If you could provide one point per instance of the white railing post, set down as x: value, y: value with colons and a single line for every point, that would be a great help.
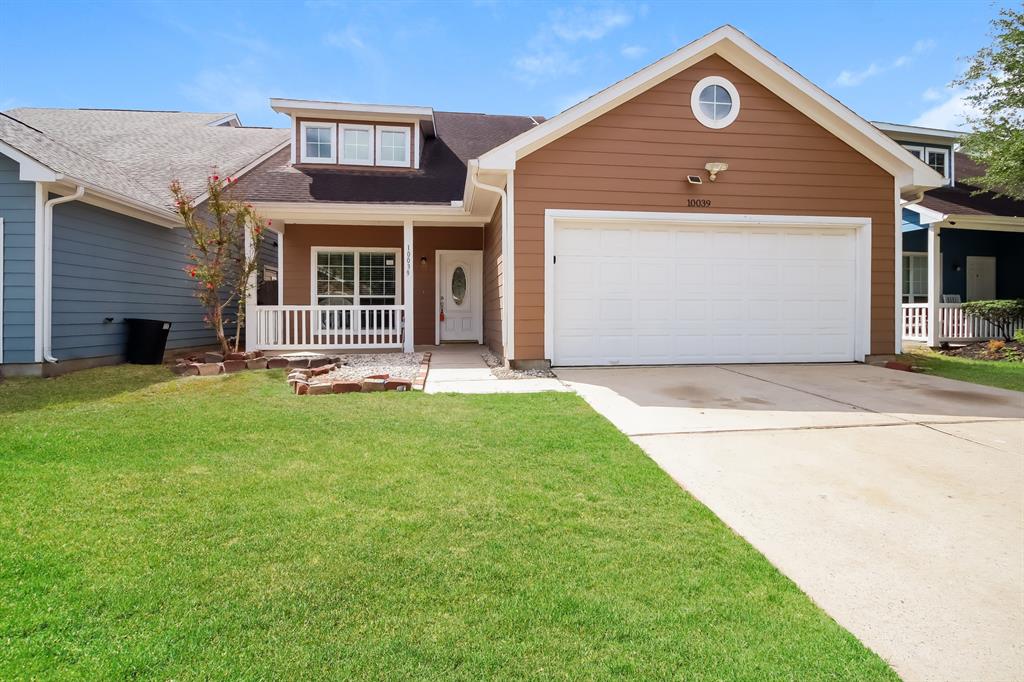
x: 934, y: 285
x: 407, y: 291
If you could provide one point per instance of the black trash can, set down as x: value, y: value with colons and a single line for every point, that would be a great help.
x: 146, y: 340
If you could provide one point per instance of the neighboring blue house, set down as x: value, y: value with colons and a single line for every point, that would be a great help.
x: 980, y: 242
x: 89, y: 235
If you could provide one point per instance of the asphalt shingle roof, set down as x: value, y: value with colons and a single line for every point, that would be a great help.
x: 136, y: 153
x: 440, y: 178
x: 959, y: 199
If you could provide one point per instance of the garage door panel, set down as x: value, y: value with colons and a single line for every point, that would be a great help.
x: 700, y: 295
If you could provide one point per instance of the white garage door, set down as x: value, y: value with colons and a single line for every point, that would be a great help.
x: 636, y: 293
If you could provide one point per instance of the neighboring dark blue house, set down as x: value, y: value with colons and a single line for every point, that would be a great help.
x: 115, y: 248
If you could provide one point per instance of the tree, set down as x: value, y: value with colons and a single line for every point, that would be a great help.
x: 995, y: 83
x: 220, y: 265
x: 1001, y: 314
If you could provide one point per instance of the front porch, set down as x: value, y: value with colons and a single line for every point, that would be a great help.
x: 951, y: 260
x: 369, y: 287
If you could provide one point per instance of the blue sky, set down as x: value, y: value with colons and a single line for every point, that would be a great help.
x: 887, y: 61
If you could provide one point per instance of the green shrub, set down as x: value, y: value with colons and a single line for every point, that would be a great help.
x: 1001, y: 314
x: 1018, y: 336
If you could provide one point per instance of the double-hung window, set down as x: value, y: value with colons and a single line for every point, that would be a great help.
x: 349, y: 277
x: 318, y: 142
x: 356, y: 144
x: 393, y: 146
x: 915, y: 278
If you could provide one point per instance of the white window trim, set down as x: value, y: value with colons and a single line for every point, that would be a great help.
x: 922, y: 151
x: 302, y: 141
x: 397, y: 251
x: 912, y: 294
x: 695, y: 102
x: 408, y: 152
x: 946, y: 153
x: 916, y: 149
x: 341, y: 144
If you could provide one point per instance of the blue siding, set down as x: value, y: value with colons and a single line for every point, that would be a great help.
x: 956, y: 245
x: 17, y: 206
x: 106, y: 265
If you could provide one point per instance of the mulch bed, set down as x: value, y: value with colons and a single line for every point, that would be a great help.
x: 997, y: 350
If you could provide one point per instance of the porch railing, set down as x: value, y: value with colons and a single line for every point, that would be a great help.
x: 293, y: 327
x: 954, y: 324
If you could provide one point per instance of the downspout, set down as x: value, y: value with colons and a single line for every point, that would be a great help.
x: 47, y: 316
x: 474, y: 169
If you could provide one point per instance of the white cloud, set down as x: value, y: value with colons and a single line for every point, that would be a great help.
x: 549, y: 52
x: 348, y: 38
x: 235, y: 88
x: 579, y: 23
x: 932, y: 95
x: 633, y: 51
x: 546, y: 64
x: 850, y: 77
x: 949, y: 114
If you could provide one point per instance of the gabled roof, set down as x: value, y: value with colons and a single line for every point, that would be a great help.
x: 134, y: 155
x: 911, y: 174
x: 440, y: 179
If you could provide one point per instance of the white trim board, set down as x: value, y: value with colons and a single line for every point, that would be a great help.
x: 764, y: 67
x: 862, y: 283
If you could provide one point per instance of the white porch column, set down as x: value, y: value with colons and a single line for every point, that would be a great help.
x: 250, y: 298
x: 934, y: 284
x: 407, y: 287
x: 280, y: 263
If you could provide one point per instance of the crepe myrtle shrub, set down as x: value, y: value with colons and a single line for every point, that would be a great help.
x: 1000, y: 314
x: 219, y: 263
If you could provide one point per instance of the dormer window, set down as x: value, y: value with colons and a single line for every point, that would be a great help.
x: 318, y: 140
x: 356, y: 144
x: 936, y: 157
x: 392, y: 146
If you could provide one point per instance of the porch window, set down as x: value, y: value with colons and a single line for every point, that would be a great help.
x: 915, y: 278
x: 357, y: 277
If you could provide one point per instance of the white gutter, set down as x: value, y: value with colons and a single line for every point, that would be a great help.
x: 507, y: 248
x: 47, y: 262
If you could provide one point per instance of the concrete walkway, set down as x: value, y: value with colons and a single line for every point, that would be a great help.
x: 460, y: 368
x: 895, y: 500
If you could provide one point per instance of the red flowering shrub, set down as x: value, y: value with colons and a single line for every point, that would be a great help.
x: 220, y: 264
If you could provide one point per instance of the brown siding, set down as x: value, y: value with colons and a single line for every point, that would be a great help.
x: 425, y: 241
x: 636, y: 157
x: 299, y: 240
x: 492, y: 283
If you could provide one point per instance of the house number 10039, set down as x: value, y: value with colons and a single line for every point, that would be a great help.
x: 698, y: 203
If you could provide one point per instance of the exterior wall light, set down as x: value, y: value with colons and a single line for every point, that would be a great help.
x: 714, y: 168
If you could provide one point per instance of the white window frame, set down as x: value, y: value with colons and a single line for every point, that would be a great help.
x: 921, y: 151
x: 314, y: 251
x: 302, y: 141
x: 911, y: 296
x: 407, y: 131
x: 341, y: 144
x: 701, y: 117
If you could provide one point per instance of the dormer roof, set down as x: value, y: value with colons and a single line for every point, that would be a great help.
x: 311, y: 108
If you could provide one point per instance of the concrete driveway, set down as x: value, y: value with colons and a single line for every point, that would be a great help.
x: 895, y: 500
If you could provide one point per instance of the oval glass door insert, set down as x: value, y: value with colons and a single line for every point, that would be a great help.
x: 459, y: 285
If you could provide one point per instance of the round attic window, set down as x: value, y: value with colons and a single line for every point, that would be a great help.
x: 715, y: 102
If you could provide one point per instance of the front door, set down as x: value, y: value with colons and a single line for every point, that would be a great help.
x: 981, y: 278
x: 460, y: 296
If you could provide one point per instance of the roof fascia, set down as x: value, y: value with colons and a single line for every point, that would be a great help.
x: 29, y: 169
x: 382, y: 214
x: 993, y: 223
x: 928, y: 215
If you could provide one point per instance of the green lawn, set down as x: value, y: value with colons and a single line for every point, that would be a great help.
x: 999, y: 374
x: 224, y: 528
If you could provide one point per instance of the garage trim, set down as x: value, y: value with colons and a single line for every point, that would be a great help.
x: 862, y: 275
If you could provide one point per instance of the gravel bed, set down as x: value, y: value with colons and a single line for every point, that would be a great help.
x: 499, y: 370
x: 362, y: 365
